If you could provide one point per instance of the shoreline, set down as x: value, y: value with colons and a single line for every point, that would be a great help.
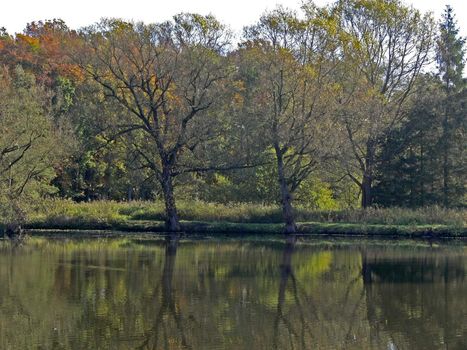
x: 246, y: 229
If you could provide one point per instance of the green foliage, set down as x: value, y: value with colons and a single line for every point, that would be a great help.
x: 30, y: 143
x: 316, y: 194
x: 422, y: 161
x: 450, y: 53
x: 64, y: 95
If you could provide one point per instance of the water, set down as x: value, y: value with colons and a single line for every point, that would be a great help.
x: 149, y: 294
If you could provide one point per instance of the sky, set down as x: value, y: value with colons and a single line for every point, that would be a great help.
x: 14, y: 14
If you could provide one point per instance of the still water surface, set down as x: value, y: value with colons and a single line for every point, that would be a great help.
x: 147, y: 293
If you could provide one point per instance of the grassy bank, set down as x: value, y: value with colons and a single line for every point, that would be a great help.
x: 214, y: 228
x: 241, y: 218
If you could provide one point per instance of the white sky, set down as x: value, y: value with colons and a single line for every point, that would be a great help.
x: 14, y: 14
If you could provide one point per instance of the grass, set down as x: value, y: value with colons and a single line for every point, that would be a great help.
x: 110, y: 211
x: 246, y: 218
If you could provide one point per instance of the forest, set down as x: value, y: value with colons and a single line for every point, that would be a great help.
x: 358, y: 104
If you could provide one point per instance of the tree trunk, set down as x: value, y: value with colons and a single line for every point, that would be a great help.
x: 367, y: 199
x: 172, y: 223
x: 446, y: 140
x: 14, y: 231
x: 446, y: 144
x: 286, y: 272
x: 422, y: 177
x: 286, y: 196
x: 366, y: 191
x: 13, y: 228
x: 445, y: 176
x: 366, y: 270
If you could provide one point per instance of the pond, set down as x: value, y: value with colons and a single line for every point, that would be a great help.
x: 153, y: 293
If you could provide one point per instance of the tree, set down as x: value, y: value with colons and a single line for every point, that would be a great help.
x: 286, y: 65
x: 99, y: 167
x: 168, y: 77
x: 29, y: 144
x: 408, y: 167
x: 450, y: 58
x: 385, y: 45
x: 422, y: 160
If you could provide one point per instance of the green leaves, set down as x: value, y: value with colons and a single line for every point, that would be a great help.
x: 29, y: 142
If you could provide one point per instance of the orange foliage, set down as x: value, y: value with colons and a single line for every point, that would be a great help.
x: 41, y: 50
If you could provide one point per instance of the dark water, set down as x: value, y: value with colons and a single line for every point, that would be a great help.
x: 149, y: 294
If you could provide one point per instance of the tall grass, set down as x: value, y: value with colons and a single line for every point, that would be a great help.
x: 65, y: 211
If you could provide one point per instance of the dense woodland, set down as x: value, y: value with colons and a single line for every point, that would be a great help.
x: 359, y: 103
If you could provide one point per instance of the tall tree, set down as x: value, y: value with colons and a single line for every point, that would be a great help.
x: 385, y: 45
x: 168, y: 77
x: 422, y: 161
x: 450, y: 58
x: 409, y: 171
x: 287, y: 64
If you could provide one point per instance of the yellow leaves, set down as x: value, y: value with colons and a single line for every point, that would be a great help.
x: 356, y: 44
x: 345, y: 38
x: 384, y: 11
x: 238, y: 89
x: 100, y: 139
x: 237, y: 99
x: 202, y: 22
x: 120, y: 165
x: 310, y: 72
x: 272, y: 22
x: 119, y: 26
x: 221, y: 180
x: 192, y: 25
x: 74, y: 72
x: 153, y: 80
x: 172, y: 97
x: 335, y: 88
x: 239, y: 85
x: 34, y: 43
x: 326, y: 22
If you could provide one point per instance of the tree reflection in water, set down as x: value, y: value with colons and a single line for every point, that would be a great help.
x: 310, y: 322
x: 159, y: 336
x: 286, y: 275
x: 147, y: 293
x: 422, y: 293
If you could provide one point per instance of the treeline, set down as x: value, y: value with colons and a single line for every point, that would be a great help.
x: 359, y: 103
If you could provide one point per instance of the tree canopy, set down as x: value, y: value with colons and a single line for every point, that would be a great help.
x: 328, y: 107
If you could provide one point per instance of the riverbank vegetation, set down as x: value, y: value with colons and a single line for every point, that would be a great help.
x: 246, y: 218
x: 109, y: 211
x: 307, y: 117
